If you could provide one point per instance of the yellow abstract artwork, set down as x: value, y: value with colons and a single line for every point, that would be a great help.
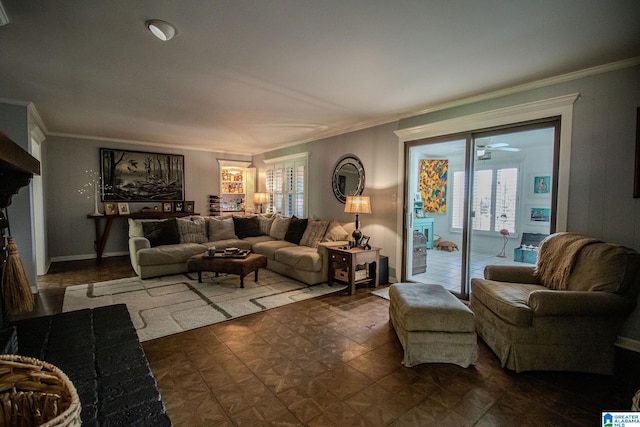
x: 433, y: 185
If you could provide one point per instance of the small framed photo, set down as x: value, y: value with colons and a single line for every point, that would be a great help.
x: 178, y: 207
x: 123, y: 208
x: 110, y: 208
x: 167, y: 207
x: 364, y: 242
x: 541, y: 185
x: 539, y: 215
x: 189, y: 206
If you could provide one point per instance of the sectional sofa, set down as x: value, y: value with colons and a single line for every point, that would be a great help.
x: 294, y: 247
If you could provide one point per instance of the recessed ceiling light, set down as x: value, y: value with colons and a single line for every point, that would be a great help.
x: 161, y: 29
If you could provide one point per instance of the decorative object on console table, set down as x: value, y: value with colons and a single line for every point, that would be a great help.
x: 167, y: 207
x: 92, y: 189
x: 357, y: 205
x: 123, y: 208
x: 189, y: 206
x: 110, y: 208
x: 178, y: 207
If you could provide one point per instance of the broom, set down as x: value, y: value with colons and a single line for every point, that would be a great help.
x: 15, y: 284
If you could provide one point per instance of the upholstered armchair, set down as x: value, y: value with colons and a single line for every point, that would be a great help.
x: 565, y: 313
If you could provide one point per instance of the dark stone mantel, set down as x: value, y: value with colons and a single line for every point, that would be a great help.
x: 17, y: 167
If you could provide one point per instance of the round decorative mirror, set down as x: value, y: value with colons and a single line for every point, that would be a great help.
x: 348, y: 178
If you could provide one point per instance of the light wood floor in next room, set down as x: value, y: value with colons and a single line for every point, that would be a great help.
x: 335, y: 361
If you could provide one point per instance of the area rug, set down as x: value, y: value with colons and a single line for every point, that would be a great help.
x: 172, y: 304
x: 381, y: 292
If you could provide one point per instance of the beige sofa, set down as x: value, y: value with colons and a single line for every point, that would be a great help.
x: 305, y: 261
x: 565, y: 314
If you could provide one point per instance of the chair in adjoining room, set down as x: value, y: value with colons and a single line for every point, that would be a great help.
x: 563, y: 314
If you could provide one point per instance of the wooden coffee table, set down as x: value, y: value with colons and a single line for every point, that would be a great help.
x: 220, y: 264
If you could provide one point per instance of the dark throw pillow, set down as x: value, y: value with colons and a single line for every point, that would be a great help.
x: 246, y: 226
x: 296, y: 229
x: 161, y: 232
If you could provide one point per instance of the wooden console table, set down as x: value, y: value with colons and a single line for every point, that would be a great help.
x: 102, y: 233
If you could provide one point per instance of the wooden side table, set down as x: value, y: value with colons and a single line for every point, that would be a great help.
x: 346, y: 266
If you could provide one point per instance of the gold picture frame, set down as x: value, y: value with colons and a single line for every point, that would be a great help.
x: 110, y: 208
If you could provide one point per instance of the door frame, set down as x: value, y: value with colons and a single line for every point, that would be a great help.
x: 560, y: 107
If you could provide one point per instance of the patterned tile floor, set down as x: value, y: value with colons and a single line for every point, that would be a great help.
x: 335, y: 361
x: 444, y: 267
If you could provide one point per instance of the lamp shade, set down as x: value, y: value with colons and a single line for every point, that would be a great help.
x: 357, y: 205
x: 259, y: 198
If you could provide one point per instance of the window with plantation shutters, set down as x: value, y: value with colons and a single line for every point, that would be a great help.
x: 286, y: 182
x: 494, y: 201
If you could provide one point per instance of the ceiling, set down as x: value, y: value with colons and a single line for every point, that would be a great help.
x: 249, y: 76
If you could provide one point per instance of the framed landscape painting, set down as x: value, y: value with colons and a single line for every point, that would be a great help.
x: 138, y: 176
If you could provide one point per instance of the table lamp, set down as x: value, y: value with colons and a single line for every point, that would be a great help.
x: 357, y: 205
x: 260, y: 199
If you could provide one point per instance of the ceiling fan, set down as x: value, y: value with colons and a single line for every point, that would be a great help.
x: 483, y: 151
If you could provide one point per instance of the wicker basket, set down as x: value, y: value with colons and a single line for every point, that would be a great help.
x: 36, y: 393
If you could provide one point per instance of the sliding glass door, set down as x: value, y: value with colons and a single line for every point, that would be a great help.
x: 476, y: 199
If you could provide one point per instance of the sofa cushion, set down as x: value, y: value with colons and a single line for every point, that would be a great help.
x: 604, y: 267
x: 265, y: 221
x: 221, y: 228
x: 257, y: 239
x: 296, y: 229
x: 300, y: 258
x: 246, y: 226
x: 169, y: 254
x: 508, y: 301
x: 135, y: 226
x: 161, y: 232
x: 279, y: 227
x: 335, y: 232
x: 192, y: 229
x: 269, y: 249
x: 314, y: 233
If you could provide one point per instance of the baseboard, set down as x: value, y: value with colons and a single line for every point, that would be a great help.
x: 86, y: 256
x: 628, y: 344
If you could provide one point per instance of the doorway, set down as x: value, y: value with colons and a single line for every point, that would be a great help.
x: 479, y: 198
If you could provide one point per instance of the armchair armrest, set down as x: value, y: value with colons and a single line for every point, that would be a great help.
x: 578, y: 303
x: 511, y: 274
x: 137, y: 243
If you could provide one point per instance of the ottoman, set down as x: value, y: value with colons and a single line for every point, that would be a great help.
x: 433, y: 325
